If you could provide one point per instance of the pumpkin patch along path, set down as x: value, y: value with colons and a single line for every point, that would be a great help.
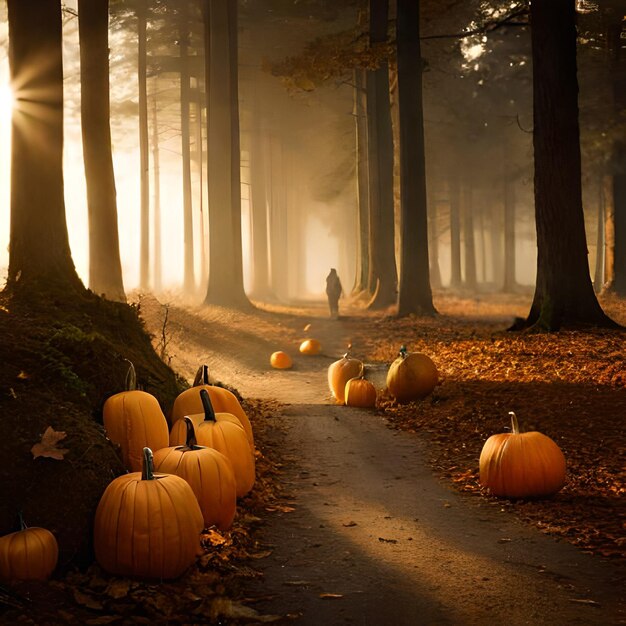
x: 382, y: 519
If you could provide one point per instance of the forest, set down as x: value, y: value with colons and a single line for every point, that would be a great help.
x: 312, y: 311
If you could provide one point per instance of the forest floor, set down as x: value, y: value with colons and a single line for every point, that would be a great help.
x: 375, y: 516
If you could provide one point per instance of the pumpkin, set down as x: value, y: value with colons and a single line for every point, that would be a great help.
x: 209, y: 474
x: 411, y: 376
x: 340, y: 372
x: 147, y: 525
x: 360, y: 392
x: 281, y: 360
x: 230, y: 439
x: 521, y: 465
x: 133, y: 419
x: 28, y: 554
x: 310, y: 346
x: 188, y: 402
x: 178, y: 434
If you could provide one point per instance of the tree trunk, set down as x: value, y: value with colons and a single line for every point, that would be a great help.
x: 414, y: 294
x: 156, y: 197
x: 383, y: 278
x: 144, y: 246
x: 433, y: 242
x: 360, y: 113
x: 468, y: 238
x: 204, y: 274
x: 105, y: 267
x: 510, y: 281
x: 564, y: 294
x: 39, y: 247
x: 455, y: 232
x: 617, y: 62
x: 609, y: 230
x: 598, y: 281
x: 189, y: 282
x: 225, y: 286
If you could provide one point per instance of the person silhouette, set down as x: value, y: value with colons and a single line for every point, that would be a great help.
x: 333, y: 292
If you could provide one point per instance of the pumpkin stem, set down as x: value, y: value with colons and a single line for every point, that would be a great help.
x: 190, y: 439
x: 20, y: 516
x: 209, y: 411
x: 362, y: 372
x: 202, y: 376
x: 131, y: 377
x: 147, y: 470
x: 403, y: 352
x: 514, y: 423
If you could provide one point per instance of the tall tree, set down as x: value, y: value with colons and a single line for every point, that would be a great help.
x: 564, y: 294
x: 383, y: 276
x: 185, y: 134
x: 141, y: 12
x: 39, y: 245
x: 225, y: 286
x: 414, y: 294
x: 105, y: 267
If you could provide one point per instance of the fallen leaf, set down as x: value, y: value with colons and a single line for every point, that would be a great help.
x: 349, y: 524
x: 261, y: 555
x: 87, y: 600
x: 47, y: 447
x: 118, y: 588
x: 225, y: 607
x: 214, y: 538
x: 331, y: 596
x: 584, y: 601
x: 382, y: 539
x: 23, y: 375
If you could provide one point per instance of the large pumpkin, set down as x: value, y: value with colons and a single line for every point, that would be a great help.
x: 134, y: 420
x: 411, y: 376
x: 229, y: 438
x: 521, y: 465
x: 340, y: 372
x: 28, y: 554
x: 360, y: 393
x: 223, y: 400
x: 147, y: 525
x: 310, y: 346
x: 208, y: 472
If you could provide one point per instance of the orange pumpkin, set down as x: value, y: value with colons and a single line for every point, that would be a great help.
x: 360, y: 393
x: 223, y: 400
x: 521, y: 465
x: 281, y: 360
x: 134, y: 420
x: 28, y: 554
x: 411, y: 376
x: 147, y: 525
x: 340, y: 372
x: 208, y: 472
x: 310, y: 346
x: 230, y: 439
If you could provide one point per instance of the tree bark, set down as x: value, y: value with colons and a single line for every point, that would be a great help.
x: 433, y: 242
x: 383, y: 278
x: 469, y: 247
x: 144, y: 183
x: 414, y: 294
x: 598, y: 280
x: 105, y: 267
x: 455, y: 232
x: 225, y: 287
x: 157, y: 265
x: 510, y: 281
x: 564, y: 294
x: 40, y: 254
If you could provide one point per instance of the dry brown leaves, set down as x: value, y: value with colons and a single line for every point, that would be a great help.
x: 202, y: 595
x: 568, y: 385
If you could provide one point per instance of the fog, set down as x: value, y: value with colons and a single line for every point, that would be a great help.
x: 478, y: 114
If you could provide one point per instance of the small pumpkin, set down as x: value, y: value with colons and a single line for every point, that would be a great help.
x: 229, y: 438
x: 411, y: 376
x: 360, y: 392
x: 340, y: 372
x: 521, y: 465
x: 31, y: 553
x: 188, y: 402
x: 310, y: 346
x: 281, y: 360
x: 147, y: 525
x: 133, y: 419
x: 209, y: 474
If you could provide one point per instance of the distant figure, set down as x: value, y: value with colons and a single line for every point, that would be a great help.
x: 333, y: 291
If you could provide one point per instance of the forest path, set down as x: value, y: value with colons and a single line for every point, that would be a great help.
x: 374, y: 537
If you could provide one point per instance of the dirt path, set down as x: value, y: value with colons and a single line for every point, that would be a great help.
x: 374, y: 537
